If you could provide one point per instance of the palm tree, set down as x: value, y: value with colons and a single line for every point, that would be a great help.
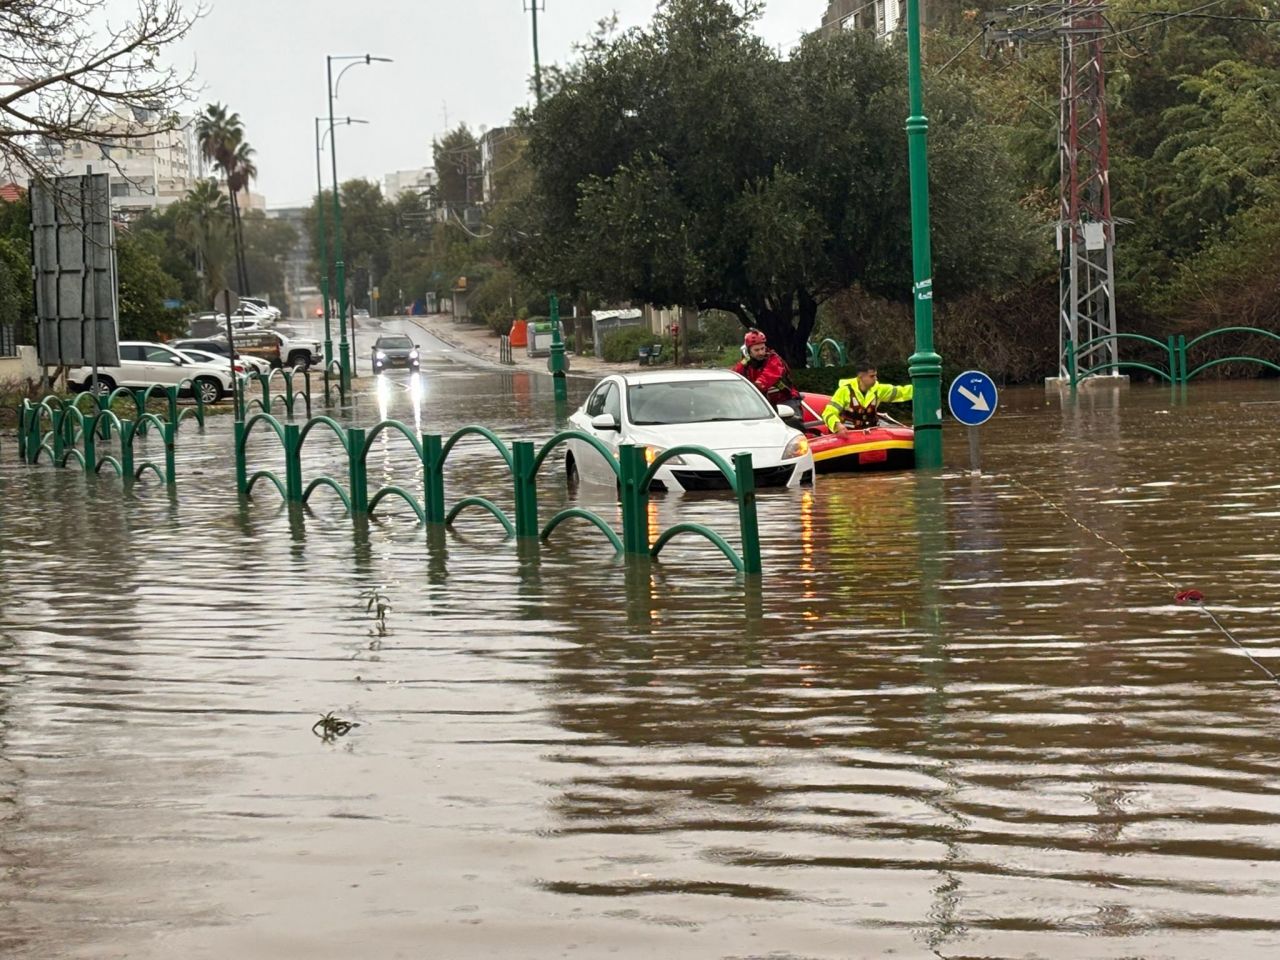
x: 243, y: 170
x: 221, y: 138
x: 202, y: 220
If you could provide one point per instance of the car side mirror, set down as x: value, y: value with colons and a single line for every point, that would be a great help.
x: 176, y: 361
x: 784, y: 411
x: 604, y: 421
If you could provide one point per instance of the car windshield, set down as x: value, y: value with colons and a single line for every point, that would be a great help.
x: 695, y: 401
x: 395, y: 343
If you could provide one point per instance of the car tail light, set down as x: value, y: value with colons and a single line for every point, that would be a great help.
x: 239, y: 368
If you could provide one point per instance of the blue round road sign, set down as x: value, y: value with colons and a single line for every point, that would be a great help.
x: 973, y: 398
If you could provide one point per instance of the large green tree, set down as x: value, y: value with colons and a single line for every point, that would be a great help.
x: 687, y: 164
x: 456, y: 157
x: 143, y: 286
x: 368, y: 232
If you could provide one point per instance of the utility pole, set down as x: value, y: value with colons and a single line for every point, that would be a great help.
x: 532, y: 8
x: 1086, y: 227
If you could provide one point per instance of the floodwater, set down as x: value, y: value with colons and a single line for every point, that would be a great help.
x: 962, y: 717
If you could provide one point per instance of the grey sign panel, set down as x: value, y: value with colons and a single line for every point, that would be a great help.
x: 73, y: 253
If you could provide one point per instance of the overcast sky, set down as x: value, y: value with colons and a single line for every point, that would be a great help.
x: 470, y: 58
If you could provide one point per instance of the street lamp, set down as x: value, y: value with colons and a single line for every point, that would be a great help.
x: 344, y: 349
x: 925, y: 364
x: 324, y: 250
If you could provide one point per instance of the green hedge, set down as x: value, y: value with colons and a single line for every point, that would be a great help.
x: 826, y: 379
x: 624, y: 346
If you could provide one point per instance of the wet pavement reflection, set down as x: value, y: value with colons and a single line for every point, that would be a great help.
x: 964, y: 716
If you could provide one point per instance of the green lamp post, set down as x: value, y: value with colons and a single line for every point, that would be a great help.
x: 925, y: 364
x: 324, y: 249
x: 340, y: 271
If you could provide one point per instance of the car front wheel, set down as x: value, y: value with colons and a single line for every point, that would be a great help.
x: 102, y: 387
x: 208, y: 390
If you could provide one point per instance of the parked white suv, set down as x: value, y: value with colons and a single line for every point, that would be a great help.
x: 260, y: 304
x: 142, y: 364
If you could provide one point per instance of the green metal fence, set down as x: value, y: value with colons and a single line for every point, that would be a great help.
x: 334, y: 382
x: 1184, y: 346
x: 523, y: 460
x: 289, y: 398
x: 83, y: 430
x: 818, y: 353
x: 1173, y: 367
x: 73, y: 434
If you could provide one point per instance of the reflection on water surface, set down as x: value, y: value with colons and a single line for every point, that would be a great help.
x: 964, y: 718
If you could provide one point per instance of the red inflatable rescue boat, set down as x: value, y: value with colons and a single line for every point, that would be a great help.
x: 887, y: 446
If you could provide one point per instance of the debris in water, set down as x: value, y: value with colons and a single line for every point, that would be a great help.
x: 329, y: 727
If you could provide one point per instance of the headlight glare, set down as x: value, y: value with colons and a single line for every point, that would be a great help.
x: 797, y: 447
x: 652, y: 453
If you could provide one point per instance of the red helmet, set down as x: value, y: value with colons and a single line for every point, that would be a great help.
x: 753, y: 338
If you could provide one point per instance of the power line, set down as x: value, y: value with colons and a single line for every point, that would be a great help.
x: 980, y: 35
x: 1166, y: 19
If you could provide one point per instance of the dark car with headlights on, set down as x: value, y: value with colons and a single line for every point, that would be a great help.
x: 394, y: 350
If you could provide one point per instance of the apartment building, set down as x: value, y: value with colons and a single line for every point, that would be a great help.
x: 149, y: 164
x: 416, y: 180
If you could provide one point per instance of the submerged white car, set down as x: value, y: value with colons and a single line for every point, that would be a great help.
x: 716, y: 409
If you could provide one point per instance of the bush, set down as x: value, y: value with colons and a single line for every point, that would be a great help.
x: 497, y: 299
x: 715, y: 330
x: 624, y: 346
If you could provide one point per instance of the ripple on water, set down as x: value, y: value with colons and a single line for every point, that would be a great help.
x: 963, y: 718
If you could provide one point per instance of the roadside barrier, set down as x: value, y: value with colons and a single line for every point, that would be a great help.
x: 289, y: 397
x: 1173, y: 351
x: 817, y: 353
x: 523, y: 459
x: 74, y: 434
x: 504, y: 350
x: 333, y: 379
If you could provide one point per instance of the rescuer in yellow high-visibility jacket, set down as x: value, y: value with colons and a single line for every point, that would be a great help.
x: 855, y: 403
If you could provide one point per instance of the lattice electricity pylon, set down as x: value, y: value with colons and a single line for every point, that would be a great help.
x: 1085, y: 229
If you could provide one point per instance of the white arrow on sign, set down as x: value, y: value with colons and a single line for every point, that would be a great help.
x: 978, y: 400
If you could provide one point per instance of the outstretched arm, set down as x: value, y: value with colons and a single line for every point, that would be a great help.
x: 888, y: 393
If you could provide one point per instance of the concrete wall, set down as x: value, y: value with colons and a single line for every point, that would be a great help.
x: 22, y: 367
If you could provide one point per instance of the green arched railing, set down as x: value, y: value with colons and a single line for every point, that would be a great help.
x: 742, y: 480
x: 1175, y: 350
x: 75, y: 435
x: 815, y: 351
x: 289, y: 397
x: 524, y: 462
x: 1072, y: 354
x: 1185, y: 345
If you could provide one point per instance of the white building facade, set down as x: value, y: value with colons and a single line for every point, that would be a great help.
x: 417, y: 180
x: 150, y: 166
